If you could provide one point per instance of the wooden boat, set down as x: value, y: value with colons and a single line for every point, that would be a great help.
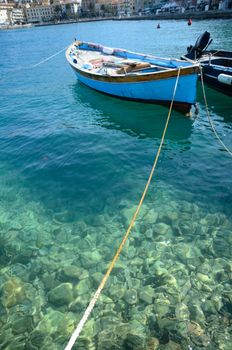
x: 134, y: 76
x: 216, y: 64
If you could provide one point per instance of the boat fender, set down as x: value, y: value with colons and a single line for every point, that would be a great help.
x: 108, y: 50
x: 74, y: 60
x: 87, y: 65
x: 225, y: 79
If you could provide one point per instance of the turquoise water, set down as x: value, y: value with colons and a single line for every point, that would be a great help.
x: 73, y: 165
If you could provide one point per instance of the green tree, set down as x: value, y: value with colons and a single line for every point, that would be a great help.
x: 92, y: 8
x: 57, y: 12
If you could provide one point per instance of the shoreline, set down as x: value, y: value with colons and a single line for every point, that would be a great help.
x: 197, y: 15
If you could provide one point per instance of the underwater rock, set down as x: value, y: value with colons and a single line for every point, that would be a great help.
x: 161, y: 228
x: 88, y: 242
x: 151, y: 217
x: 108, y: 340
x: 17, y: 270
x: 97, y: 277
x: 127, y: 214
x: 217, y: 301
x: 22, y: 325
x: 135, y: 341
x: 25, y: 255
x: 83, y: 288
x: 131, y: 296
x: 120, y: 266
x: 107, y: 315
x: 159, y: 269
x: 135, y: 282
x: 49, y: 281
x: 208, y: 307
x: 90, y: 259
x: 13, y: 292
x: 188, y: 254
x: 152, y: 344
x: 171, y: 282
x: 147, y: 294
x: 136, y: 336
x: 54, y: 323
x: 169, y: 215
x: 104, y: 299
x: 89, y: 331
x: 196, y: 313
x: 5, y: 335
x: 149, y: 233
x: 48, y: 343
x: 137, y: 261
x: 130, y: 252
x: 149, y: 313
x: 84, y: 275
x: 161, y: 305
x: 204, y: 278
x: 37, y: 339
x: 137, y: 314
x: 100, y: 220
x: 77, y: 305
x: 61, y: 295
x: 182, y: 328
x: 195, y: 329
x: 18, y: 342
x: 13, y: 248
x: 202, y: 341
x: 64, y: 217
x: 171, y: 345
x: 70, y: 272
x: 221, y: 247
x: 205, y: 268
x: 117, y: 291
x: 4, y: 216
x: 166, y: 324
x: 182, y: 312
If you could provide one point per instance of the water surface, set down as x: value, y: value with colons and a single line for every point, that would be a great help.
x: 73, y: 165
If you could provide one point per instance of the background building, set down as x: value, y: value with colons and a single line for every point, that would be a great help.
x: 36, y: 14
x: 5, y: 13
x: 18, y: 16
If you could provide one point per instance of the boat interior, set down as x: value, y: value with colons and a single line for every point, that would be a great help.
x: 108, y: 61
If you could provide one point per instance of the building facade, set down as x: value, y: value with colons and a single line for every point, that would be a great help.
x: 5, y: 13
x: 36, y: 14
x: 18, y: 16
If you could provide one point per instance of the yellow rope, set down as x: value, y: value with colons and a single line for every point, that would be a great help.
x: 209, y: 118
x: 111, y: 266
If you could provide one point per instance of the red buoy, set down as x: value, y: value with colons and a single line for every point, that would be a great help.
x: 189, y: 22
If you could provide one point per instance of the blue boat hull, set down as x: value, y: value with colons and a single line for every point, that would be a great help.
x: 153, y: 84
x: 158, y: 91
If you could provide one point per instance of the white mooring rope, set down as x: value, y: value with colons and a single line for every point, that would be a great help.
x: 37, y: 64
x: 48, y: 58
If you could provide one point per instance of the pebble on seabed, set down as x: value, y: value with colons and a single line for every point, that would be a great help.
x: 163, y: 283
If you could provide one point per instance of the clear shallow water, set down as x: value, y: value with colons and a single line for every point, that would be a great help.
x: 73, y: 164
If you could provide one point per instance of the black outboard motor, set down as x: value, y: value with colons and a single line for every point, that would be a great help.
x: 196, y: 51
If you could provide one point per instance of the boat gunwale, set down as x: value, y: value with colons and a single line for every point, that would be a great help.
x: 121, y: 50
